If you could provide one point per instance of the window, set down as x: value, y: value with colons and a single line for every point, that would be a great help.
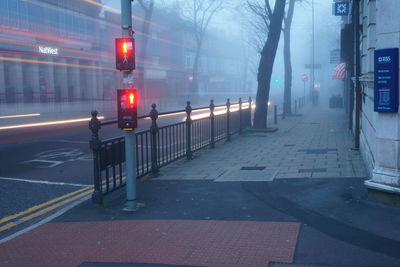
x: 189, y: 58
x: 155, y: 48
x: 4, y: 8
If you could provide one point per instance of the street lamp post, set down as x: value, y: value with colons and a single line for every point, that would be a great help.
x: 313, y: 48
x: 304, y: 78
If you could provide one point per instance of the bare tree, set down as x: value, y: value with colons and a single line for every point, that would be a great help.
x: 147, y: 6
x: 199, y: 13
x: 270, y: 22
x: 287, y: 93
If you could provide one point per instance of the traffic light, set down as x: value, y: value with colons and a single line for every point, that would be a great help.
x: 127, y: 109
x: 125, y: 54
x: 276, y: 80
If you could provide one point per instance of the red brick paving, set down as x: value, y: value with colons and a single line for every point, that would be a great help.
x: 199, y: 243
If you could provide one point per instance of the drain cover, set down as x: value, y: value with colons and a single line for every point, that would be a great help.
x: 312, y: 170
x: 253, y: 168
x: 317, y: 151
x: 279, y: 264
x: 289, y: 145
x: 250, y: 175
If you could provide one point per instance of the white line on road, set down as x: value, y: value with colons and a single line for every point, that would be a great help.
x: 67, y: 141
x: 41, y: 182
x: 52, y: 163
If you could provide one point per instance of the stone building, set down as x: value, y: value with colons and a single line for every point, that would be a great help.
x: 379, y: 134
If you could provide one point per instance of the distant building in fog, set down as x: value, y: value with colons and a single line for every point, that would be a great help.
x: 50, y: 51
x: 63, y: 51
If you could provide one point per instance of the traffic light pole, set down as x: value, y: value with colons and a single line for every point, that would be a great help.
x: 130, y: 138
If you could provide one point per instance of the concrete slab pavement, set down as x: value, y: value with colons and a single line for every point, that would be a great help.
x: 315, y: 145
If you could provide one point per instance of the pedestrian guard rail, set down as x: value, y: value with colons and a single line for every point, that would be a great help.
x: 160, y: 146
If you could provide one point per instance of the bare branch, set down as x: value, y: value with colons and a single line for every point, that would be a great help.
x: 268, y: 6
x: 147, y: 7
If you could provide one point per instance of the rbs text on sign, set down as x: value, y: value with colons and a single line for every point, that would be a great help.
x: 386, y: 98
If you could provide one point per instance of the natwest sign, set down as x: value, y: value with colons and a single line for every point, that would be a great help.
x: 47, y: 50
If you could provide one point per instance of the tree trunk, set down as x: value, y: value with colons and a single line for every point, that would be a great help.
x: 194, y: 84
x: 287, y: 94
x: 266, y: 64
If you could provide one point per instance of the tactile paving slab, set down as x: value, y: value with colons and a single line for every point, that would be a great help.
x: 174, y: 242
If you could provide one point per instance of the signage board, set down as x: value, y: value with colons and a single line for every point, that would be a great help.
x: 46, y: 50
x: 311, y: 66
x: 335, y: 56
x: 342, y: 8
x: 386, y: 80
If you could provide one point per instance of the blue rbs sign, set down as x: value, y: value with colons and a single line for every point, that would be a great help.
x: 386, y: 83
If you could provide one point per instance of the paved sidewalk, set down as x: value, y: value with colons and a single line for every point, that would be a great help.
x: 313, y: 146
x: 290, y: 198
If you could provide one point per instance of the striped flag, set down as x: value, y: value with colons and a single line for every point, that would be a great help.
x: 339, y: 71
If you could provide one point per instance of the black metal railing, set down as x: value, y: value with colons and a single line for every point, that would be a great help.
x: 159, y: 146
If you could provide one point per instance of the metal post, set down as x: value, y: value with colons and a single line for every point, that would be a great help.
x: 313, y: 47
x: 295, y: 106
x: 228, y: 114
x: 130, y: 137
x: 154, y: 132
x: 212, y: 124
x: 356, y: 20
x: 275, y: 114
x: 250, y: 111
x: 188, y: 131
x: 283, y: 113
x: 95, y: 145
x: 240, y: 115
x: 130, y: 156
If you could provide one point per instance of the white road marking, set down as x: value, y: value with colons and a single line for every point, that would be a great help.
x: 67, y: 141
x: 59, y: 153
x: 41, y: 182
x: 52, y: 163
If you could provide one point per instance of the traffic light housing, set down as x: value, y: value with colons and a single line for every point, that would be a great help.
x: 125, y: 54
x: 127, y: 109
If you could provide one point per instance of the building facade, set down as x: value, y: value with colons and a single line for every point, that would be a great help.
x: 379, y: 132
x: 49, y: 52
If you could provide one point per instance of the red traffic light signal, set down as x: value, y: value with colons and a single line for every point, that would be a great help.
x: 125, y: 54
x: 127, y: 109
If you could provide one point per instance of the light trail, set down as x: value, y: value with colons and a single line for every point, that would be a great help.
x: 54, y: 63
x: 20, y: 116
x: 103, y: 6
x: 13, y: 30
x: 37, y: 54
x: 217, y: 111
x: 47, y: 123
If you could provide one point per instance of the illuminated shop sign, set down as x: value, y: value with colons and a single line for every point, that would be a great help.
x: 47, y: 50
